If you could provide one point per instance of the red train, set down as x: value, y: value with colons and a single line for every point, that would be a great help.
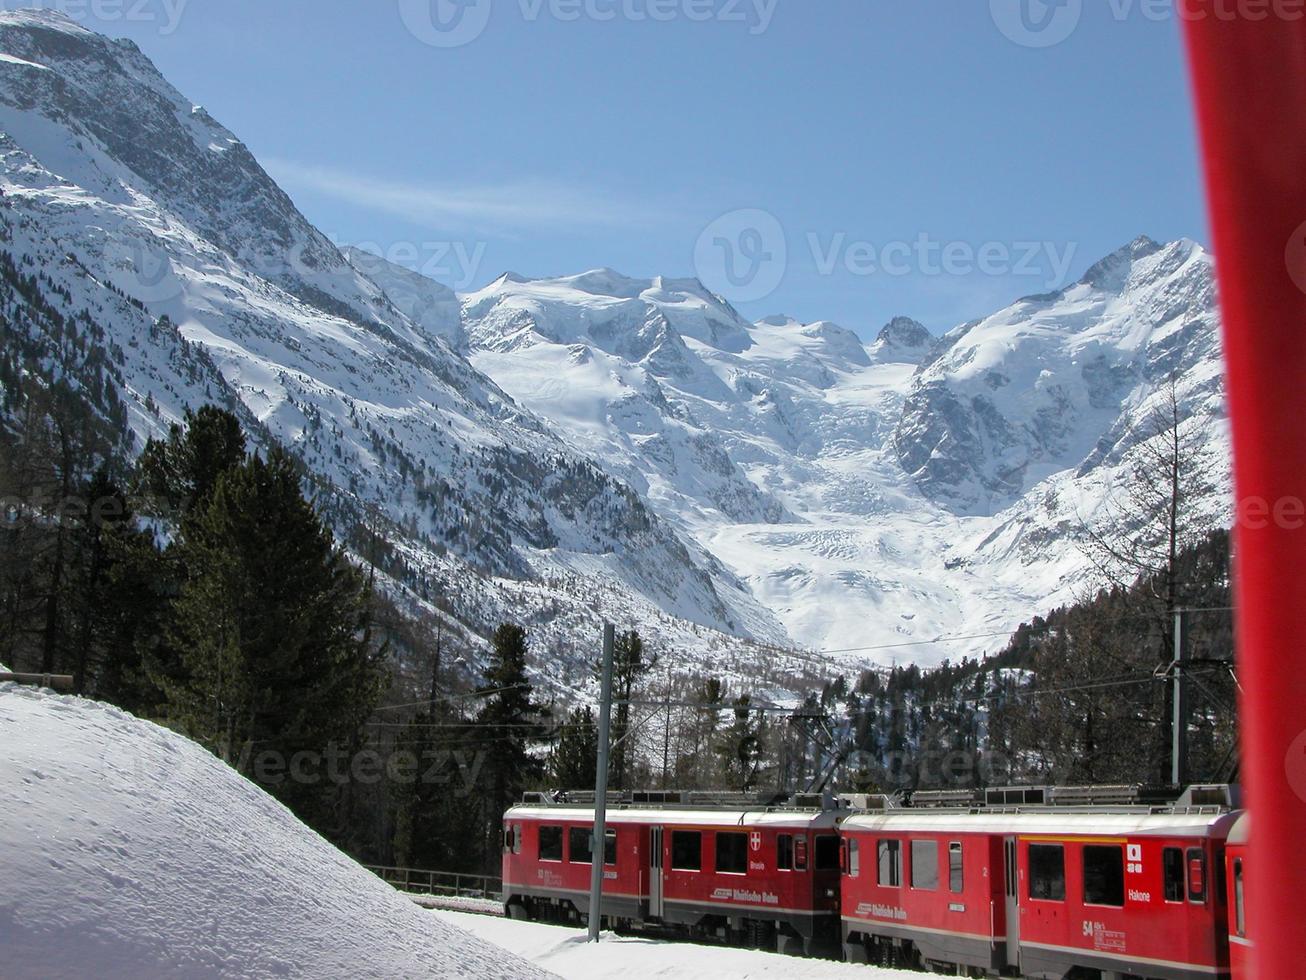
x: 1052, y: 883
x: 757, y: 876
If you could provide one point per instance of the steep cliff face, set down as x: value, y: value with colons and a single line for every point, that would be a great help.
x: 1056, y: 382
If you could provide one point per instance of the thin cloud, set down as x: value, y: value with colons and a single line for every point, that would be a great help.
x: 503, y: 207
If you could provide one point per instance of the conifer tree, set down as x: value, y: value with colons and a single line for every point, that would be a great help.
x: 183, y: 470
x: 509, y: 725
x: 739, y: 747
x: 575, y: 755
x: 272, y: 622
x: 629, y: 664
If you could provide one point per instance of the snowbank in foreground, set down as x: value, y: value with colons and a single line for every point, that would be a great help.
x: 565, y: 952
x: 128, y: 851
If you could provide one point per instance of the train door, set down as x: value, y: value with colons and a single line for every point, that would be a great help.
x: 1011, y: 872
x: 655, y: 857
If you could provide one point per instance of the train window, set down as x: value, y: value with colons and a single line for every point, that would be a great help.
x: 508, y: 836
x: 925, y: 865
x: 1104, y: 876
x: 1196, y: 876
x: 580, y: 850
x: 550, y: 843
x: 827, y: 853
x: 732, y: 853
x: 956, y: 869
x: 1239, y: 906
x: 1172, y: 870
x: 800, y: 853
x: 889, y: 863
x: 686, y: 850
x: 854, y: 858
x: 784, y: 852
x: 1047, y: 872
x: 578, y: 845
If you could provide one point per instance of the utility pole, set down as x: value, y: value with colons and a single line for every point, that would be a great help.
x: 666, y: 733
x: 1179, y: 726
x: 601, y: 788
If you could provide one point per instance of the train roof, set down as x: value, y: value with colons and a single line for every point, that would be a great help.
x: 1204, y: 822
x: 686, y: 817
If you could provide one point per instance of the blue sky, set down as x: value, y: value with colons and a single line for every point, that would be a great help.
x: 851, y: 145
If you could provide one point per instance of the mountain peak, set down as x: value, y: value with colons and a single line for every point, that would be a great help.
x: 1111, y: 272
x: 905, y: 330
x: 903, y: 335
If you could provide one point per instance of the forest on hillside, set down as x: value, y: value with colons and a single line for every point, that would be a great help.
x: 196, y: 584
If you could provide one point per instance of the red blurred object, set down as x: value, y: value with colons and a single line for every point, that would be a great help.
x: 1249, y: 68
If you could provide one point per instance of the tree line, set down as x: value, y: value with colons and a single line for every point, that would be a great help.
x: 198, y: 586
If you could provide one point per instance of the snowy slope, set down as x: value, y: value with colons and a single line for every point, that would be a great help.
x: 568, y: 954
x: 129, y: 851
x: 891, y: 492
x: 199, y: 280
x: 1057, y: 380
x: 559, y: 451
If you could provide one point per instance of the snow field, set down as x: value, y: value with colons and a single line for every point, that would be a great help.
x: 568, y: 954
x: 129, y: 851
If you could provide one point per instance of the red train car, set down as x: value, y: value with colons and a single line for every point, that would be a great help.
x: 1236, y: 858
x: 759, y: 876
x: 1129, y: 891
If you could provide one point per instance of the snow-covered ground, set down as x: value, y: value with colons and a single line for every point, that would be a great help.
x: 129, y: 851
x: 567, y: 953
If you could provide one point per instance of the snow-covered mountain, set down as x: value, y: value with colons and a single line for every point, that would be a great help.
x: 1056, y: 380
x: 875, y: 494
x: 188, y: 269
x: 557, y: 451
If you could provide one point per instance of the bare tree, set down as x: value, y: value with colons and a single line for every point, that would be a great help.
x: 1135, y: 544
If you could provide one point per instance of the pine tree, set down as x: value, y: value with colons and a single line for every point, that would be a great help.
x: 433, y: 815
x: 739, y: 748
x: 182, y: 471
x: 574, y: 759
x: 130, y: 626
x: 272, y: 623
x: 509, y: 724
x: 629, y: 664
